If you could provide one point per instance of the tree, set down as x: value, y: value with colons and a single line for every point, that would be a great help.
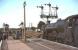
x: 33, y: 28
x: 40, y: 24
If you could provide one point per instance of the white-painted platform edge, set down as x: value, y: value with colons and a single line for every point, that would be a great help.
x: 0, y: 43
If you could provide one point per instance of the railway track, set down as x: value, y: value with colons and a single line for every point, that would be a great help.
x: 41, y: 44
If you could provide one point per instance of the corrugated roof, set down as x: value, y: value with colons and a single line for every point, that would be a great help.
x: 72, y: 16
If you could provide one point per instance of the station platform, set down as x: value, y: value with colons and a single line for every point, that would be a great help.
x: 11, y: 44
x: 35, y: 44
x: 17, y: 45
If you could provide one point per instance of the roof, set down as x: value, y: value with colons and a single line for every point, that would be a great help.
x: 72, y: 16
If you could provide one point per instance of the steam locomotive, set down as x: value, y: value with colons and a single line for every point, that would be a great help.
x: 63, y: 31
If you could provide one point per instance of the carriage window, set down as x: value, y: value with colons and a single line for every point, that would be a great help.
x: 70, y: 23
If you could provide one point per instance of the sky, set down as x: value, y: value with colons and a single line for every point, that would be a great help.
x: 11, y: 11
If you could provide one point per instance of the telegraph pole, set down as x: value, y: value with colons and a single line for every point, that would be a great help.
x: 24, y: 4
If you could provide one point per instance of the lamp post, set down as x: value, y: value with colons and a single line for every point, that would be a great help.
x: 24, y: 4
